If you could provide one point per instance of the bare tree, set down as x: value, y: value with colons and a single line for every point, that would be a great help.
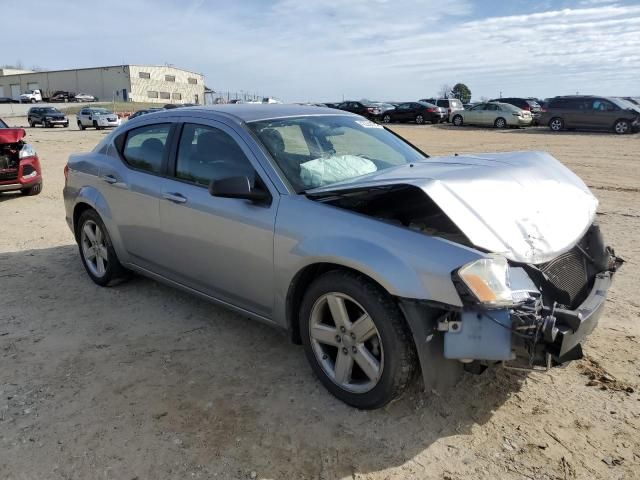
x: 445, y: 91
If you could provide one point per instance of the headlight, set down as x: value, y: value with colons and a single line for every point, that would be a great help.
x: 488, y: 280
x: 27, y: 151
x: 48, y: 118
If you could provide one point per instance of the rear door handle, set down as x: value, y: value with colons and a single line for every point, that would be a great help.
x: 174, y: 197
x: 110, y: 179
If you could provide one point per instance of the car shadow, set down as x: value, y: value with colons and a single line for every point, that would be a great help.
x: 192, y: 383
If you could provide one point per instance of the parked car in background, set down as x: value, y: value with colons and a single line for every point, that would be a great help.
x: 85, y: 97
x: 8, y: 100
x: 634, y: 100
x: 451, y: 105
x: 47, y: 117
x: 19, y: 163
x: 374, y: 256
x: 590, y: 112
x: 144, y: 112
x: 97, y: 118
x: 384, y: 107
x: 419, y: 112
x: 364, y: 108
x: 62, y: 96
x: 523, y: 104
x: 31, y: 96
x: 500, y: 115
x: 332, y: 105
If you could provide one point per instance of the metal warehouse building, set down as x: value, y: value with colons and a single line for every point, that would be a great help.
x: 138, y: 83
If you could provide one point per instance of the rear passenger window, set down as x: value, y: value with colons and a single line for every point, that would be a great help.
x: 207, y: 153
x: 145, y: 147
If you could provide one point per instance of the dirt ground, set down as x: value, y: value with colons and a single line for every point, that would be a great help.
x: 141, y: 381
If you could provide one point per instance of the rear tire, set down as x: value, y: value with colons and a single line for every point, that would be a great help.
x: 35, y: 190
x: 386, y: 119
x: 621, y: 127
x: 500, y: 123
x: 96, y: 250
x: 556, y: 124
x: 458, y: 120
x: 384, y: 346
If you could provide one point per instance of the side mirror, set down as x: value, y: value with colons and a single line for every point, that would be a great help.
x: 238, y: 187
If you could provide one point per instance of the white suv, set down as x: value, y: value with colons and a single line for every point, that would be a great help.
x: 97, y: 118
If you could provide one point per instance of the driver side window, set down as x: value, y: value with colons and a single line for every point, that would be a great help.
x: 207, y: 153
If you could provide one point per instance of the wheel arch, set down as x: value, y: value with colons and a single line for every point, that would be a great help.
x: 299, y: 284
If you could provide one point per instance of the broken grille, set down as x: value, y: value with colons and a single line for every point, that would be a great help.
x: 568, y: 273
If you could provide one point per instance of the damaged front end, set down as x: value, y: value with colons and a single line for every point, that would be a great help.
x: 544, y: 315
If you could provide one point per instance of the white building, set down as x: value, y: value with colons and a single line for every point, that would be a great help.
x: 137, y: 83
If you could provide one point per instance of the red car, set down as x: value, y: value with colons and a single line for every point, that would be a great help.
x: 19, y: 164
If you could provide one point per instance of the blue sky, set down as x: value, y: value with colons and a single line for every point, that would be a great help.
x: 325, y: 50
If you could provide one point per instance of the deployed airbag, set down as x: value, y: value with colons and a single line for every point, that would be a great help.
x: 323, y: 171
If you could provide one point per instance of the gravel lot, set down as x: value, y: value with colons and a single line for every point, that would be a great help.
x: 141, y: 381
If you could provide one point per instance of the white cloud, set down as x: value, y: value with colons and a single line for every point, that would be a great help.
x: 387, y: 49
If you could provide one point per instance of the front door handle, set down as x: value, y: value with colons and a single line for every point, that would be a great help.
x: 174, y: 197
x: 110, y: 179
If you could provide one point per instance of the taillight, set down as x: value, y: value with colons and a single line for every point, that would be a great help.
x: 431, y: 110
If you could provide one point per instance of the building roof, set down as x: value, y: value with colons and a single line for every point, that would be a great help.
x: 98, y: 68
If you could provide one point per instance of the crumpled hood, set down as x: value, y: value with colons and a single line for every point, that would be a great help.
x: 11, y: 135
x: 526, y: 206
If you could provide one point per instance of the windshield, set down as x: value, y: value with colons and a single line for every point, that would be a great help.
x: 317, y: 151
x: 625, y: 104
x: 50, y: 110
x: 100, y: 111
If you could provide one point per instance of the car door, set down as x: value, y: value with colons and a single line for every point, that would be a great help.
x: 474, y: 115
x: 222, y: 247
x: 402, y: 112
x: 489, y: 114
x: 603, y: 114
x: 131, y: 188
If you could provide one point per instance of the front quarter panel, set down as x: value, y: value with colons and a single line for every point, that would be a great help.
x: 406, y: 263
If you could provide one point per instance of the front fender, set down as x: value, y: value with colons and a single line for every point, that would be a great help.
x: 406, y: 263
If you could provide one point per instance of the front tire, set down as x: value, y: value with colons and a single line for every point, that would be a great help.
x: 80, y: 126
x: 35, y: 190
x: 621, y: 127
x: 95, y: 125
x: 458, y: 121
x: 96, y: 250
x: 356, y: 340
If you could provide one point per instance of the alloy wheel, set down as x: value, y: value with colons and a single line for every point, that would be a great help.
x: 419, y: 119
x: 94, y: 248
x: 500, y: 123
x: 346, y: 342
x: 386, y: 119
x: 556, y: 125
x: 621, y: 127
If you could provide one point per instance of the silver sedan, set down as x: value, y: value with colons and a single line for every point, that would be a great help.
x: 380, y: 260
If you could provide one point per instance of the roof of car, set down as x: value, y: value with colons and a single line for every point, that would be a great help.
x: 250, y: 112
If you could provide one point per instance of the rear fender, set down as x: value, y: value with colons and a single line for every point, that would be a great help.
x: 92, y: 197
